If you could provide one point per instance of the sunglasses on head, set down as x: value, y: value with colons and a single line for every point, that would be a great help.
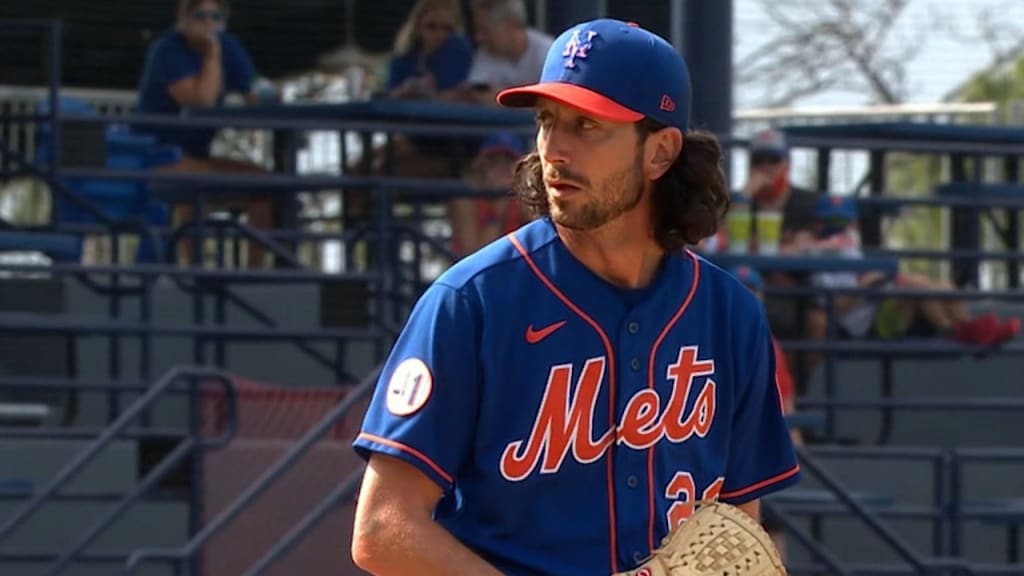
x: 214, y: 15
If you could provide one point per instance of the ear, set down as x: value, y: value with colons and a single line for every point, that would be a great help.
x: 663, y: 148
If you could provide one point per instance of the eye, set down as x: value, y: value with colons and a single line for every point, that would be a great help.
x: 543, y: 119
x: 586, y: 123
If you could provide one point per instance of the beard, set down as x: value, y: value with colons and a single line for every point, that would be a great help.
x: 595, y: 206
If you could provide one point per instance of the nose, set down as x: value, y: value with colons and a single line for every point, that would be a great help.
x: 553, y: 145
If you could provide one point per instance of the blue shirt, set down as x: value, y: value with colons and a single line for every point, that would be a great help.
x: 570, y: 424
x: 449, y: 64
x: 169, y: 60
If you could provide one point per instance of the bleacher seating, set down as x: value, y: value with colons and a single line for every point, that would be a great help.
x: 891, y: 453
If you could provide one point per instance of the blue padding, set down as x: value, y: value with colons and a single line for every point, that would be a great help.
x: 997, y: 510
x: 1001, y: 190
x: 15, y: 486
x: 379, y: 111
x: 806, y: 420
x: 811, y: 497
x: 763, y: 263
x: 63, y: 247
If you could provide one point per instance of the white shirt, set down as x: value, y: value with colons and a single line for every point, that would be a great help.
x: 500, y: 72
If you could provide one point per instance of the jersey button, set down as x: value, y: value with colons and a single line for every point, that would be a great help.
x: 634, y: 327
x: 634, y: 364
x: 632, y: 481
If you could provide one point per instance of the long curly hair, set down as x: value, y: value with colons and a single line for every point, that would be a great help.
x: 689, y: 200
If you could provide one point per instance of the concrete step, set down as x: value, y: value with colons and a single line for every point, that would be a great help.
x: 90, y: 569
x: 38, y: 460
x: 59, y: 525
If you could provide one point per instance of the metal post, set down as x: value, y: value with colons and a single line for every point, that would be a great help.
x: 706, y: 34
x: 677, y: 24
x: 564, y: 13
x: 54, y: 109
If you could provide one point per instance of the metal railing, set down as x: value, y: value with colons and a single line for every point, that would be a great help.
x: 188, y: 447
x: 193, y: 547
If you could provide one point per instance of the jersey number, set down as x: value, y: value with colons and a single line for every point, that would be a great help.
x: 682, y: 489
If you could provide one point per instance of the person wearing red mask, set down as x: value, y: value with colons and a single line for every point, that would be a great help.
x: 768, y: 188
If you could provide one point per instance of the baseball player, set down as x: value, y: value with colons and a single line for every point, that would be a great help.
x: 559, y: 400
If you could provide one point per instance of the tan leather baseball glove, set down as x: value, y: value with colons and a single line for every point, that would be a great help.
x: 718, y: 539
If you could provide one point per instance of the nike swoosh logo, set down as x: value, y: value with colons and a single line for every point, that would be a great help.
x: 535, y: 336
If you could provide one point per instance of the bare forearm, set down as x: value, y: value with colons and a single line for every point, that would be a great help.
x: 209, y: 81
x: 422, y: 548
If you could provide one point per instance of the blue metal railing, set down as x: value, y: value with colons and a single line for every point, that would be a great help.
x: 193, y: 547
x: 189, y: 446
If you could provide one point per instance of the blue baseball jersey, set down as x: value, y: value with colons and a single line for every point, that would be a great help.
x: 570, y: 423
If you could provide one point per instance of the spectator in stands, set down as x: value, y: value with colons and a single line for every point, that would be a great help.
x: 431, y: 61
x: 836, y: 234
x: 768, y: 187
x: 787, y: 392
x: 509, y: 52
x: 194, y: 66
x: 432, y: 56
x: 478, y: 221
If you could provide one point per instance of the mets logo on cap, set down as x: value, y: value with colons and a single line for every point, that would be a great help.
x: 577, y: 46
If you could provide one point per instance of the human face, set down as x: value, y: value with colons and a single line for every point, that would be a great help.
x: 435, y: 27
x: 490, y: 34
x: 771, y: 173
x: 593, y: 169
x: 206, y: 19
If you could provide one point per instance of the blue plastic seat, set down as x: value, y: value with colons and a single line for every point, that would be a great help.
x: 118, y: 199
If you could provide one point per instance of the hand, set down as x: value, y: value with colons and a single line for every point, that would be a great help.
x: 758, y: 181
x: 206, y: 44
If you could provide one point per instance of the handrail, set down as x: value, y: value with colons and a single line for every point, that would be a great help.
x: 816, y: 549
x: 960, y: 457
x: 53, y: 181
x: 335, y: 497
x: 898, y: 545
x: 254, y: 490
x: 143, y: 403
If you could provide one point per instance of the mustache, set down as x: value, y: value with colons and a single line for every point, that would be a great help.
x: 564, y: 176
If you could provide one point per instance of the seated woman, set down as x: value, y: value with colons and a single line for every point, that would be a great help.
x: 194, y: 66
x: 432, y: 58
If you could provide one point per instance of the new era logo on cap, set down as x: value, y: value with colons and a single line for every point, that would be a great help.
x: 613, y: 70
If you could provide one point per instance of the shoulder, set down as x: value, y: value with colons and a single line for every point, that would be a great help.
x: 400, y: 59
x: 169, y: 41
x: 497, y: 263
x: 230, y: 40
x: 737, y: 306
x: 457, y: 44
x: 539, y: 39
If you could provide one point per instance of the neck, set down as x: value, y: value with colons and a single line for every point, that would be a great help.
x: 622, y: 252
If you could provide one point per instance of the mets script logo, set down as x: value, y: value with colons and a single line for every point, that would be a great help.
x: 565, y: 423
x: 577, y: 47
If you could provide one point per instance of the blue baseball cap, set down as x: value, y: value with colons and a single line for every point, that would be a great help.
x: 836, y: 208
x: 612, y: 70
x: 769, y: 143
x: 748, y: 276
x: 502, y: 142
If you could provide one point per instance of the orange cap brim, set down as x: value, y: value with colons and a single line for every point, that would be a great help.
x: 590, y: 102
